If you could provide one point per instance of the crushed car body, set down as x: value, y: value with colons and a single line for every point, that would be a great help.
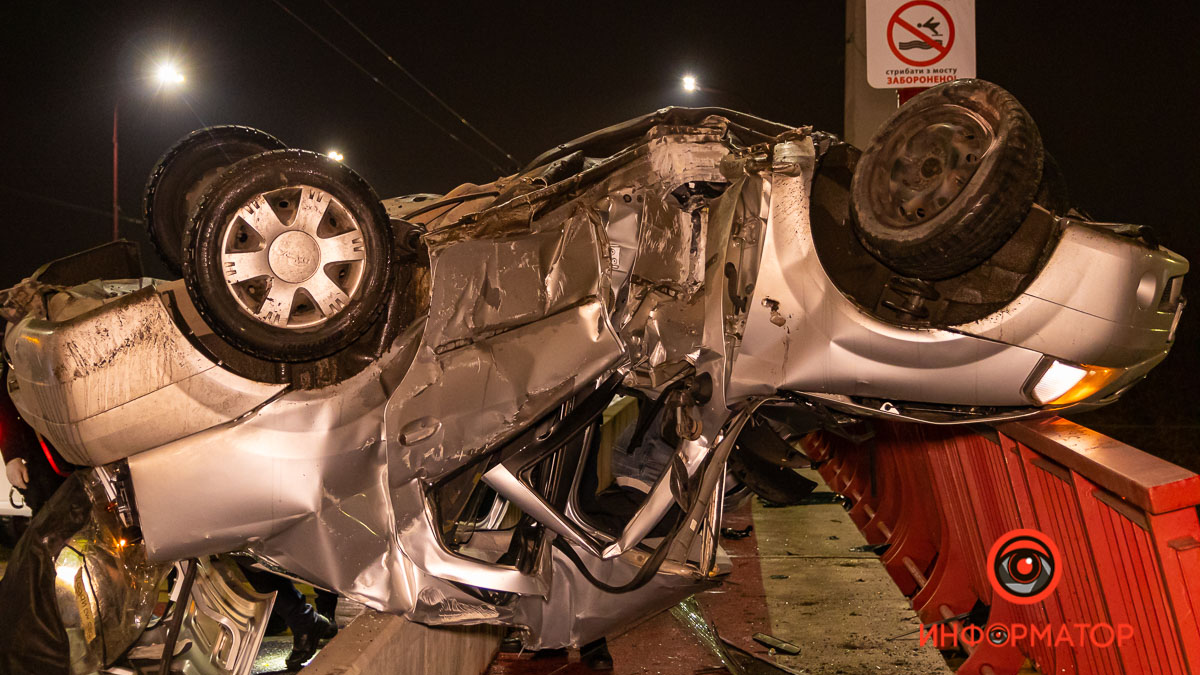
x: 533, y: 417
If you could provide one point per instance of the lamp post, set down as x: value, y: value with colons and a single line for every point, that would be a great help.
x: 167, y: 75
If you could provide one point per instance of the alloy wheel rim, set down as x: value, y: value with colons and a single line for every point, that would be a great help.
x: 293, y: 258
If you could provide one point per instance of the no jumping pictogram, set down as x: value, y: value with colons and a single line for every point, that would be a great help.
x: 920, y: 28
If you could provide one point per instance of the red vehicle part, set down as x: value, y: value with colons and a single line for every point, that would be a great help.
x: 1126, y: 525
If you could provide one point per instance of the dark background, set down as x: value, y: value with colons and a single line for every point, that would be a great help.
x: 1112, y: 87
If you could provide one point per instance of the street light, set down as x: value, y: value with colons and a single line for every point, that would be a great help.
x: 335, y: 155
x: 167, y: 74
x: 689, y: 83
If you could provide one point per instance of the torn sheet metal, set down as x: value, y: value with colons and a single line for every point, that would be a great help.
x: 328, y: 513
x: 225, y: 621
x: 459, y: 473
x: 350, y: 464
x: 481, y: 372
x: 220, y: 630
x: 459, y: 404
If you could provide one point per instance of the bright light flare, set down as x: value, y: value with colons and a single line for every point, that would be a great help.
x: 689, y: 83
x: 168, y: 74
x: 335, y: 155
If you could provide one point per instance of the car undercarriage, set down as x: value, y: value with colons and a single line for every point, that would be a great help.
x: 528, y: 402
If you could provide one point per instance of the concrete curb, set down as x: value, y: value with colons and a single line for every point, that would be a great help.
x: 384, y: 644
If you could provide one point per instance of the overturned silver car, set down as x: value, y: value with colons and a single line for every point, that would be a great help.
x: 526, y: 402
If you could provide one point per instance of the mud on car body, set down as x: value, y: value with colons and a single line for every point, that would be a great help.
x: 430, y: 403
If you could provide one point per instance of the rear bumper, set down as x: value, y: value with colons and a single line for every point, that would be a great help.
x: 119, y: 379
x: 1102, y: 299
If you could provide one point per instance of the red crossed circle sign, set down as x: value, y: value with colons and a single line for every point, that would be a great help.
x: 904, y: 31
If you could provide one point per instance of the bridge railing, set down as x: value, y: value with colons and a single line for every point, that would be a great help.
x: 1125, y: 523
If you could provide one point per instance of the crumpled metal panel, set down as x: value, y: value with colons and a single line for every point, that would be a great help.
x: 302, y: 454
x: 456, y: 405
x: 22, y: 300
x: 671, y: 250
x: 312, y: 497
x: 485, y: 286
x: 310, y: 476
x: 482, y: 371
x: 663, y: 311
x: 419, y: 542
x: 119, y: 378
x: 221, y: 628
x: 346, y: 505
x: 225, y: 620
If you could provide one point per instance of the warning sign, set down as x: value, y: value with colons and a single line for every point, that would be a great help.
x: 919, y: 43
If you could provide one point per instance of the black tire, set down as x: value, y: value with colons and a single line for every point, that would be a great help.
x: 246, y: 312
x: 183, y: 174
x: 947, y: 179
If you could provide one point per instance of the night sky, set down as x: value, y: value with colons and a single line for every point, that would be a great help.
x: 1111, y: 86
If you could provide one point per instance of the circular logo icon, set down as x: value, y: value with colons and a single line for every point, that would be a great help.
x: 998, y: 635
x: 1023, y: 566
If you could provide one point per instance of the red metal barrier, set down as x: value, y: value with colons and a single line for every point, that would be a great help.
x: 1126, y: 525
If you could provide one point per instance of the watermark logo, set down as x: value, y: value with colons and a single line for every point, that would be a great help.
x: 1023, y: 567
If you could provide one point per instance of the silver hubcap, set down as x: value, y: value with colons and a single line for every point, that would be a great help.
x: 293, y: 258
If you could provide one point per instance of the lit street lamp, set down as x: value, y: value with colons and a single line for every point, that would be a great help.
x: 167, y: 75
x: 335, y: 155
x: 689, y: 83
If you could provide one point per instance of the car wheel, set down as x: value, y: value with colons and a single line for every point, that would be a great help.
x: 183, y: 174
x: 289, y: 256
x: 947, y: 179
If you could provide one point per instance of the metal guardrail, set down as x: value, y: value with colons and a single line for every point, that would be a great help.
x: 1126, y: 525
